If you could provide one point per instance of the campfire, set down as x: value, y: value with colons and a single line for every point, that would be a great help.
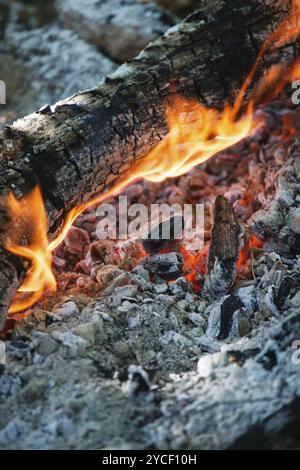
x: 195, y: 134
x: 209, y: 131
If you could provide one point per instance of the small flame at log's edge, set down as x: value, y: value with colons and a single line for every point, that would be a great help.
x: 196, y: 133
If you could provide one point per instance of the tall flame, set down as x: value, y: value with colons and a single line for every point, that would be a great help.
x: 31, y: 218
x: 196, y: 133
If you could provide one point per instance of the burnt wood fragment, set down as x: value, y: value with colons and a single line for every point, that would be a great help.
x: 224, y: 249
x: 164, y: 235
x: 166, y: 265
x: 289, y: 285
x: 221, y: 316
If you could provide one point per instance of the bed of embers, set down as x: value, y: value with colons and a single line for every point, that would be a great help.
x: 113, y: 352
x: 257, y: 177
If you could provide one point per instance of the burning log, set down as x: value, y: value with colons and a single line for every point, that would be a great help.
x: 224, y: 249
x: 79, y: 147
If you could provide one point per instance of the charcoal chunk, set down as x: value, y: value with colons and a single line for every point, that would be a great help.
x: 167, y: 265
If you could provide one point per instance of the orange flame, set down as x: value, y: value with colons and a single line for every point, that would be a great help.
x: 30, y: 216
x: 196, y: 133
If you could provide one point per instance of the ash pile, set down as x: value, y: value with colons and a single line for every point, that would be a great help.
x: 142, y: 349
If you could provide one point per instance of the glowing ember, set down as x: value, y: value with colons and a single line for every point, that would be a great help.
x: 194, y: 266
x: 250, y: 243
x: 195, y: 135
